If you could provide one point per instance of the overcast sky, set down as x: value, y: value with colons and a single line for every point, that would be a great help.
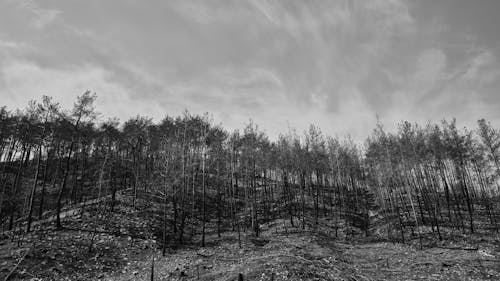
x: 337, y: 64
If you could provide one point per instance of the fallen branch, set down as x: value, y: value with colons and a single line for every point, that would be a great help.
x: 229, y: 259
x: 205, y: 255
x: 459, y: 248
x: 364, y: 277
x: 298, y: 257
x: 17, y: 265
x: 423, y: 263
x: 113, y: 233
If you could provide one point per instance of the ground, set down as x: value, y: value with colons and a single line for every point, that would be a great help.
x: 300, y: 255
x: 121, y: 246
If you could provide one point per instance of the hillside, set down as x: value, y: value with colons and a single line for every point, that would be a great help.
x: 121, y: 245
x: 242, y: 140
x: 82, y: 199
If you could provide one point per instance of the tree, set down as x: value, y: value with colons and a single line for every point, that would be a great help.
x: 83, y: 111
x: 45, y: 112
x: 135, y: 133
x: 490, y: 139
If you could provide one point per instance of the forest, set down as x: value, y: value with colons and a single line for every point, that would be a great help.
x: 184, y: 182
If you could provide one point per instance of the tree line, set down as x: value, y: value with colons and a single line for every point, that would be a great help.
x: 414, y: 181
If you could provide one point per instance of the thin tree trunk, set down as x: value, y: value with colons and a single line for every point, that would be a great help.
x: 204, y: 216
x: 63, y: 187
x: 33, y: 189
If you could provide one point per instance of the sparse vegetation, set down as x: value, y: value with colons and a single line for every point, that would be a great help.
x: 86, y: 199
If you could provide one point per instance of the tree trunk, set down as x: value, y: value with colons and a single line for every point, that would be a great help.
x: 63, y: 187
x: 33, y: 189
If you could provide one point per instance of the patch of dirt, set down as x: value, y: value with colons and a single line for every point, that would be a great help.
x: 388, y: 261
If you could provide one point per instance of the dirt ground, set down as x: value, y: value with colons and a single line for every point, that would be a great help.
x: 122, y: 247
x: 302, y: 255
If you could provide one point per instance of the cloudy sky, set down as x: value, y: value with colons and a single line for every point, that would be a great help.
x: 337, y: 64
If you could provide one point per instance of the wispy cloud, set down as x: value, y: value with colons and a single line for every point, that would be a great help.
x: 23, y: 81
x: 337, y: 63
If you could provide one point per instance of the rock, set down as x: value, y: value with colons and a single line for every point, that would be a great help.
x: 484, y: 253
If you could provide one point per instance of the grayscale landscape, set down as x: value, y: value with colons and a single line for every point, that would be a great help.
x: 348, y: 140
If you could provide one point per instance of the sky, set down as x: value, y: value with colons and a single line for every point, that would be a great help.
x: 340, y: 65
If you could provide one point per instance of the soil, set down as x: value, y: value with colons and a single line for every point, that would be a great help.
x: 122, y: 246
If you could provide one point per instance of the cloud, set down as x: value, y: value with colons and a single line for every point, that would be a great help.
x: 436, y: 88
x: 430, y: 72
x: 335, y: 63
x: 29, y: 11
x: 23, y: 81
x: 239, y: 94
x: 44, y: 17
x: 478, y: 68
x: 212, y: 11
